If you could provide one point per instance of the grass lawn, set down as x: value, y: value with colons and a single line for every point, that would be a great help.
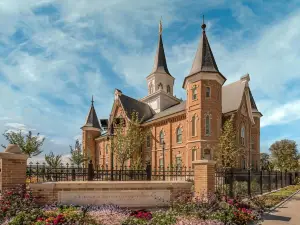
x: 274, y: 198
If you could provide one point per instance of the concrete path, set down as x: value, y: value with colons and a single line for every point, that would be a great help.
x: 288, y: 213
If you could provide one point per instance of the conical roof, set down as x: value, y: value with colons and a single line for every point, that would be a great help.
x: 92, y: 119
x: 160, y: 62
x: 204, y: 60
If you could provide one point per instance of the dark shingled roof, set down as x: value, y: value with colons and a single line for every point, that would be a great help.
x: 104, y: 123
x: 169, y: 111
x: 131, y: 105
x: 160, y: 62
x: 204, y: 60
x: 92, y: 119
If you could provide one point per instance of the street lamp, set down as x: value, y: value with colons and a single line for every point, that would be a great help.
x: 163, y: 149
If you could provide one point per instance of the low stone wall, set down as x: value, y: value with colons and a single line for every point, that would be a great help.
x: 131, y: 194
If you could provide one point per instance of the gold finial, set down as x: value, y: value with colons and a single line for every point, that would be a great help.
x: 160, y: 26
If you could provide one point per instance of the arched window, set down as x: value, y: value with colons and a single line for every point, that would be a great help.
x: 207, y: 125
x: 207, y: 92
x: 207, y: 154
x: 194, y: 154
x: 106, y: 149
x: 160, y: 86
x: 243, y: 135
x: 168, y: 89
x: 194, y: 125
x: 161, y: 137
x: 150, y: 89
x: 148, y: 141
x: 252, y: 143
x: 179, y: 135
x: 194, y: 92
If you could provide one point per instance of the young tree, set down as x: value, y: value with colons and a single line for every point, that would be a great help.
x: 228, y: 153
x: 77, y: 156
x: 28, y: 143
x: 52, y: 160
x: 285, y: 155
x: 265, y: 161
x: 128, y: 139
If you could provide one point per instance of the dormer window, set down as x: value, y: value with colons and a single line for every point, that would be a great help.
x: 168, y: 89
x: 207, y: 92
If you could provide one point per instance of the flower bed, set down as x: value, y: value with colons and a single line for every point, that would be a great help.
x: 18, y: 207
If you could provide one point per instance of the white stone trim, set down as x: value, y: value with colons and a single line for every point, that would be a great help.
x: 204, y: 162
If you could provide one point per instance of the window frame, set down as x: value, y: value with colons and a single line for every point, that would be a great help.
x: 194, y: 154
x: 194, y: 93
x: 148, y: 141
x: 161, y: 137
x: 243, y: 135
x: 194, y: 126
x: 207, y: 88
x: 207, y: 126
x: 204, y: 153
x: 168, y: 89
x: 179, y: 135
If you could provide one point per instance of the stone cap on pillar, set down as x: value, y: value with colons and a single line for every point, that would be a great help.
x: 13, y: 151
x: 204, y: 162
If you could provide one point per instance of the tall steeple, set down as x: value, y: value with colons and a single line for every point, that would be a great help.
x: 92, y: 119
x: 204, y: 60
x: 160, y: 63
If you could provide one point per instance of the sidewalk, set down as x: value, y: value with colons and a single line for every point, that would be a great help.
x: 288, y: 213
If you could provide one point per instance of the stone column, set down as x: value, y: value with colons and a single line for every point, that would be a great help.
x: 204, y: 177
x: 13, y: 165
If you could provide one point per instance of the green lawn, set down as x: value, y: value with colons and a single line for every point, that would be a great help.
x: 274, y: 198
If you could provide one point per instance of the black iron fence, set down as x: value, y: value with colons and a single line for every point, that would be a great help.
x: 250, y: 183
x: 37, y: 173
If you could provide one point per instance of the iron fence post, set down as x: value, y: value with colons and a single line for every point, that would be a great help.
x: 270, y: 184
x: 285, y: 178
x: 148, y: 171
x: 276, y: 180
x: 163, y: 149
x: 249, y: 182
x: 281, y: 179
x: 261, y: 181
x: 231, y: 183
x: 90, y: 171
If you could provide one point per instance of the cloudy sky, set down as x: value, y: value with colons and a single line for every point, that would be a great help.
x: 56, y: 54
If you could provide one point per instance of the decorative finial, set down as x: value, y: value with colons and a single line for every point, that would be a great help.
x: 203, y: 24
x: 92, y: 100
x: 160, y: 26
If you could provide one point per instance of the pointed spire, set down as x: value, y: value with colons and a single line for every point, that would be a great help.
x: 204, y: 60
x: 160, y: 62
x: 92, y: 119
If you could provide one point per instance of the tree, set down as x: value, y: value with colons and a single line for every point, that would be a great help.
x: 266, y: 162
x: 77, y: 156
x: 128, y: 139
x: 228, y: 153
x: 28, y: 143
x: 285, y: 155
x: 53, y: 160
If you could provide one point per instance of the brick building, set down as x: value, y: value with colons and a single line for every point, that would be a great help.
x: 188, y: 130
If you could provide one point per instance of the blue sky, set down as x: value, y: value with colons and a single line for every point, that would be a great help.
x: 56, y: 54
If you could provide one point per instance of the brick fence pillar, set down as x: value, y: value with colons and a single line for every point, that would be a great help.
x: 13, y: 165
x: 204, y: 177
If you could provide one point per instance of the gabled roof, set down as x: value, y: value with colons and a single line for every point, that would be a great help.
x: 169, y: 111
x: 131, y: 105
x: 232, y: 95
x: 92, y: 119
